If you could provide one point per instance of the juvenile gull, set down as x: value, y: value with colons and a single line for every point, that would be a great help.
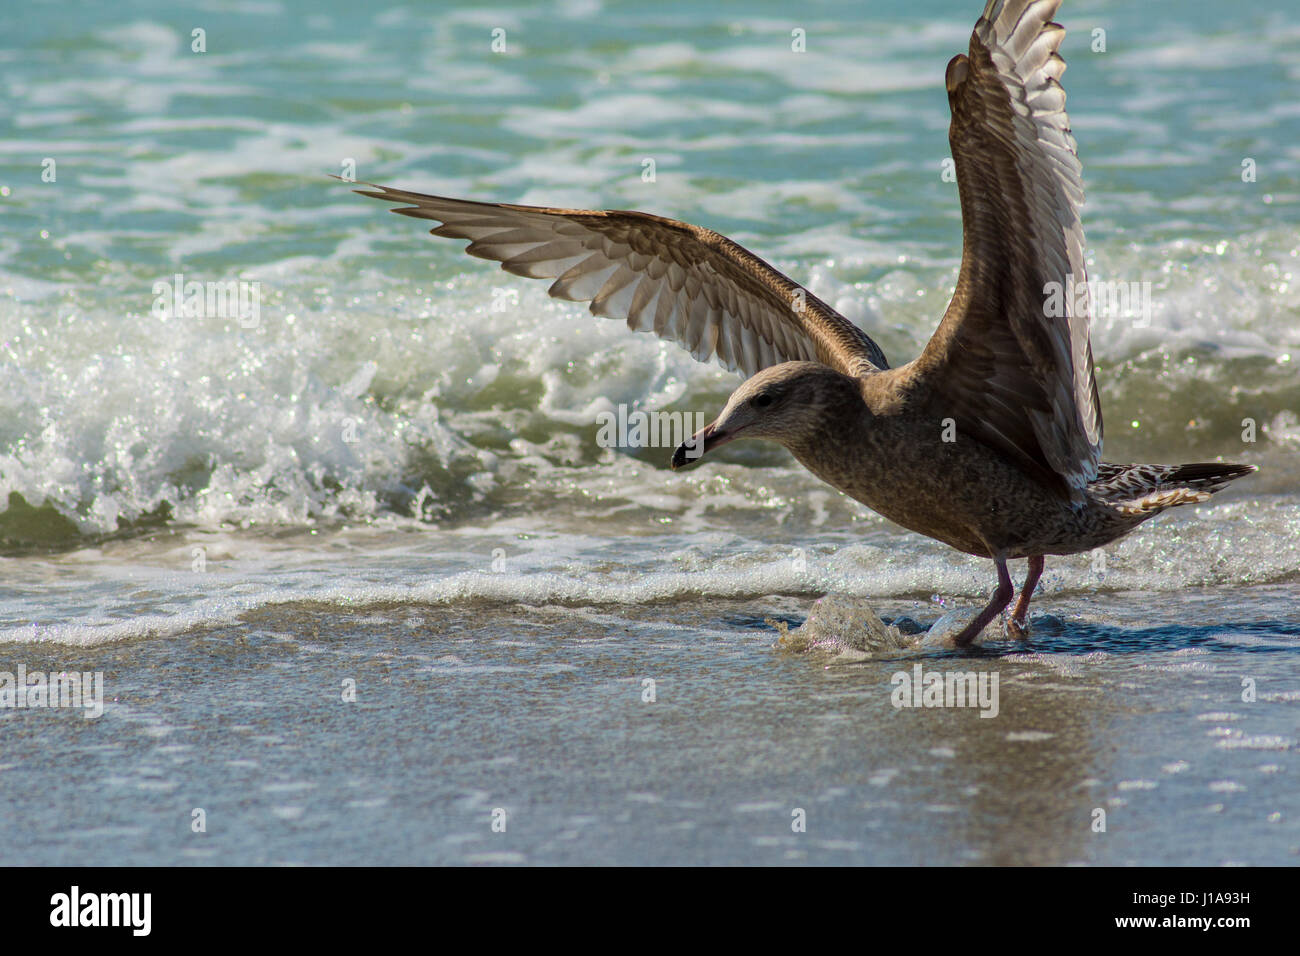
x: 990, y: 440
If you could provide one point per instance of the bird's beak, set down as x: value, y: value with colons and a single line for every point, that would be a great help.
x: 701, y: 443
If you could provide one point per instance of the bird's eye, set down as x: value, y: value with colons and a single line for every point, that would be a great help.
x: 764, y: 400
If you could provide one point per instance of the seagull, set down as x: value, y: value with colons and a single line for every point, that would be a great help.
x: 990, y: 440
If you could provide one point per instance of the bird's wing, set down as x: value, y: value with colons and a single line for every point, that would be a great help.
x: 684, y: 283
x: 1011, y: 357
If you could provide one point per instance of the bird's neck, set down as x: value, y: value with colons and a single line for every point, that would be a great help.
x: 836, y: 443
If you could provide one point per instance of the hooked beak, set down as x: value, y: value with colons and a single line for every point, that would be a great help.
x: 701, y: 443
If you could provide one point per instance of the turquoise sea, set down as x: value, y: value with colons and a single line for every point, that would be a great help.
x: 364, y: 587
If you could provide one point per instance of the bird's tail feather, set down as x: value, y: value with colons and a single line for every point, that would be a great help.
x: 1145, y: 489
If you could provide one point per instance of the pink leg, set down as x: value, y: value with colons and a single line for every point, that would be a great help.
x: 1020, y: 615
x: 995, y: 607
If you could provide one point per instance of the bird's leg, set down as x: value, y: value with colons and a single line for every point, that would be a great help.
x: 1018, y: 625
x: 995, y: 607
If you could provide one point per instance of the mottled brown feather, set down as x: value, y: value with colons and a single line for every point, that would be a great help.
x: 682, y: 282
x: 1010, y: 374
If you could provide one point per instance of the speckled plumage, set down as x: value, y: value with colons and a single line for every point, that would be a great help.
x: 881, y: 440
x: 990, y: 440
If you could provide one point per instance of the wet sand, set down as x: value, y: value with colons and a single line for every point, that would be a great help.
x: 1120, y: 703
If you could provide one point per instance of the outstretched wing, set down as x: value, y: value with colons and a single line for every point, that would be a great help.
x: 1012, y: 357
x: 684, y: 283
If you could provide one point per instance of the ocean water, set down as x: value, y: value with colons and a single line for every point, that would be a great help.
x: 387, y: 484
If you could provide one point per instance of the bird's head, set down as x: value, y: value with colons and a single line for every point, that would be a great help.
x: 792, y: 404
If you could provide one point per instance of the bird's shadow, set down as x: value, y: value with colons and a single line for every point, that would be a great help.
x: 1050, y: 634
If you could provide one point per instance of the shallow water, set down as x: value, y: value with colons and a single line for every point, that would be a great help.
x: 541, y: 713
x: 394, y: 476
